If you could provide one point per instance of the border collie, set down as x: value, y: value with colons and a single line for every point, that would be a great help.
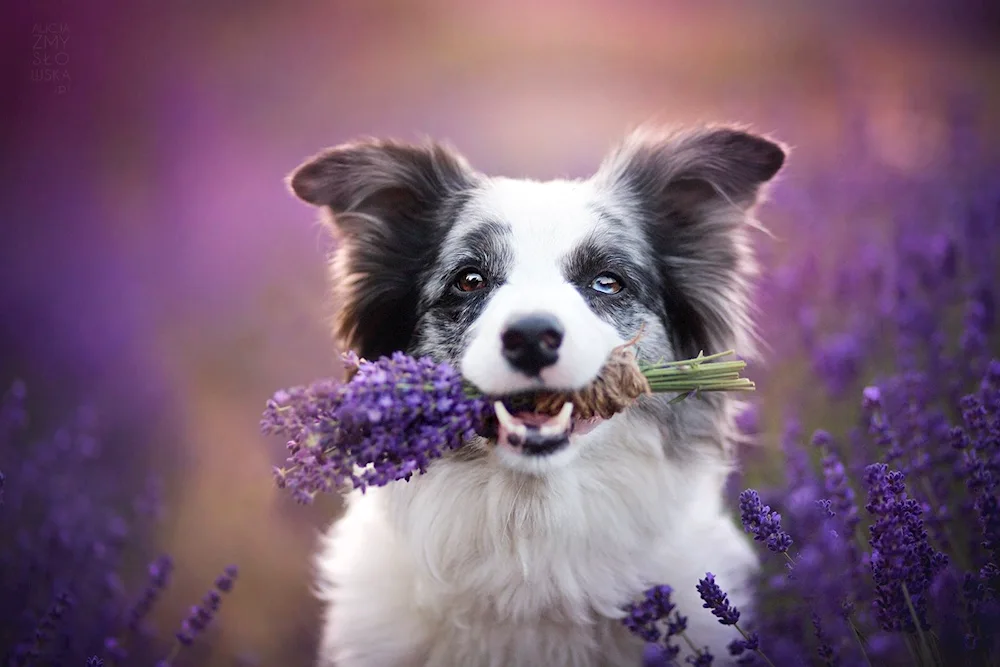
x: 523, y: 556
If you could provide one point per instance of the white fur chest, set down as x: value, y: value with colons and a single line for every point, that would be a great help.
x: 563, y: 546
x: 474, y: 564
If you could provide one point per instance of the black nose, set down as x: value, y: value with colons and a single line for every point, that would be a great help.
x: 531, y: 342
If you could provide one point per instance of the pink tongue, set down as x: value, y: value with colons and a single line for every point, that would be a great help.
x: 531, y: 418
x: 579, y: 426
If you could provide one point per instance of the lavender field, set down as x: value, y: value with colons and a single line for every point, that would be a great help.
x: 158, y: 283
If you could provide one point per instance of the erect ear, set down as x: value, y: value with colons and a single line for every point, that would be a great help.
x: 390, y: 205
x: 694, y: 191
x: 687, y: 168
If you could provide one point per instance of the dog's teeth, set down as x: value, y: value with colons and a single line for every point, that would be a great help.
x: 503, y: 416
x: 508, y: 421
x: 560, y: 423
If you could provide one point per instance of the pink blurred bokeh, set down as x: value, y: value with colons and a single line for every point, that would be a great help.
x: 153, y: 260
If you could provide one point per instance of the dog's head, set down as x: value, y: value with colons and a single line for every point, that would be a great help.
x: 529, y: 285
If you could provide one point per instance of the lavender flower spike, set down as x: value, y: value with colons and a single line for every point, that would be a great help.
x: 903, y: 563
x: 391, y: 419
x: 715, y: 599
x: 201, y: 615
x: 643, y: 619
x: 159, y: 576
x: 642, y: 616
x: 762, y: 523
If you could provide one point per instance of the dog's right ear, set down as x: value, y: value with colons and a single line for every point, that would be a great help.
x: 385, y: 180
x: 389, y: 205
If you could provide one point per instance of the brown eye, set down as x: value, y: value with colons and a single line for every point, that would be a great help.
x: 607, y: 283
x: 469, y: 280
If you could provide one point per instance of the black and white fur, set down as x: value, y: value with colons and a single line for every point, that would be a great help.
x: 494, y: 558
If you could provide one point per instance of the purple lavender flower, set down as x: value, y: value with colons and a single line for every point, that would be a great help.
x: 974, y: 339
x: 976, y: 591
x: 842, y: 499
x: 198, y: 618
x: 201, y: 615
x: 159, y: 576
x: 642, y: 616
x: 701, y: 659
x: 225, y: 580
x: 903, y: 563
x: 45, y: 631
x: 988, y: 507
x: 645, y: 619
x: 976, y: 417
x: 391, y: 419
x: 738, y: 647
x: 717, y: 601
x: 797, y: 466
x: 763, y: 523
x: 842, y: 506
x: 871, y: 398
x: 654, y: 655
x: 878, y: 425
x: 925, y: 329
x: 825, y: 506
x: 823, y: 648
x: 63, y: 599
x: 990, y: 386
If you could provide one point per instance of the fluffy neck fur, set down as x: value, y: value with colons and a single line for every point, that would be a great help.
x: 508, y: 546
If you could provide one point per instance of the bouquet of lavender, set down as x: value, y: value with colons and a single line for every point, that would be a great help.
x: 393, y: 416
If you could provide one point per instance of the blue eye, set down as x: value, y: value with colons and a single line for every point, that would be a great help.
x: 607, y: 283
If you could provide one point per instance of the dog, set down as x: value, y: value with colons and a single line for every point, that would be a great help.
x: 522, y: 552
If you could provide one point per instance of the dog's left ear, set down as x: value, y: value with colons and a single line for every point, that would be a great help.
x: 683, y: 170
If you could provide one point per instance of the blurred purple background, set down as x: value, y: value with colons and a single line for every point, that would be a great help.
x: 153, y: 262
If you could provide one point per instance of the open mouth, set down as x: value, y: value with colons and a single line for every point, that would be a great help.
x: 534, y: 434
